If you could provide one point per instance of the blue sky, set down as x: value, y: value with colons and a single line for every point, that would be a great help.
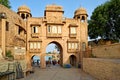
x: 38, y: 6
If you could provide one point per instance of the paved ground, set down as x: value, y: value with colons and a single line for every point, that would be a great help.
x: 58, y: 73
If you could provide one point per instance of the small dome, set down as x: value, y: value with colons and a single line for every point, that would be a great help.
x: 24, y: 8
x: 80, y: 10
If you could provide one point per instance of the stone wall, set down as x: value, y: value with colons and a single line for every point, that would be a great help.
x: 107, y: 51
x: 102, y: 69
x: 14, y: 31
x: 0, y: 33
x: 4, y: 65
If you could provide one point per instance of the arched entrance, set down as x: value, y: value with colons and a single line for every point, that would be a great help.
x: 73, y: 60
x: 54, y: 54
x: 35, y: 61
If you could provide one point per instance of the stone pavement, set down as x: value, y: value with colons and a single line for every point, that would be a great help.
x: 58, y: 73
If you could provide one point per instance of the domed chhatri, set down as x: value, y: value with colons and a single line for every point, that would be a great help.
x: 24, y: 8
x: 80, y: 11
x: 24, y: 12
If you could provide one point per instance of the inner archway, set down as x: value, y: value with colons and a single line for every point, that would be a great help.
x: 73, y: 60
x: 35, y: 61
x: 53, y: 54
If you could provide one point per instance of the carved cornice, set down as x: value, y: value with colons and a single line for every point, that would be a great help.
x: 35, y: 40
x: 72, y: 40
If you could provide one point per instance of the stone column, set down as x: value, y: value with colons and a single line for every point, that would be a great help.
x: 25, y: 15
x: 20, y: 14
x: 42, y: 61
x: 3, y: 26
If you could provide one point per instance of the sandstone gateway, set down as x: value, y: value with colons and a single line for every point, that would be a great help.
x: 27, y: 36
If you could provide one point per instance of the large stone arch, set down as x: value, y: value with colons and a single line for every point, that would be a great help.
x: 60, y: 46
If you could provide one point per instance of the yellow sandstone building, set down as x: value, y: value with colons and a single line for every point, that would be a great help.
x: 27, y: 36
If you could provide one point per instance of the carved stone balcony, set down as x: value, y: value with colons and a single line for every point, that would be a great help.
x: 72, y: 50
x: 34, y: 50
x: 54, y: 35
x: 73, y: 35
x: 35, y: 35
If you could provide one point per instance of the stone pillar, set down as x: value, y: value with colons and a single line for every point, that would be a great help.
x: 20, y: 14
x: 28, y: 61
x: 42, y: 61
x: 3, y: 26
x: 25, y: 15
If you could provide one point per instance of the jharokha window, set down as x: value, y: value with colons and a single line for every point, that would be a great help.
x: 54, y: 29
x: 35, y: 47
x: 35, y: 29
x: 72, y: 46
x: 73, y: 30
x: 7, y: 26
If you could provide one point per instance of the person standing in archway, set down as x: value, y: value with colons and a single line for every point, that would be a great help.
x: 38, y: 63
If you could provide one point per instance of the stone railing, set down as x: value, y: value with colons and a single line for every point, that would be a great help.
x: 35, y: 50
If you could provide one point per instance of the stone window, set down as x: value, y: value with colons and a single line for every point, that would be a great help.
x: 35, y: 45
x: 31, y: 45
x: 34, y: 29
x: 7, y: 26
x: 72, y: 30
x: 72, y: 45
x: 54, y: 29
x: 69, y: 45
x: 19, y: 30
x: 49, y: 30
x: 59, y: 30
x: 38, y: 45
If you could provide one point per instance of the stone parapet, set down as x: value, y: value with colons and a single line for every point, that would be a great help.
x: 102, y: 69
x: 107, y: 51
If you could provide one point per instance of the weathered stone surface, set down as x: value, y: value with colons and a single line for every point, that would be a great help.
x: 102, y: 69
x: 107, y: 51
x: 13, y: 31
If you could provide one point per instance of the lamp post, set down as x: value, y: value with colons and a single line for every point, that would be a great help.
x: 3, y: 15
